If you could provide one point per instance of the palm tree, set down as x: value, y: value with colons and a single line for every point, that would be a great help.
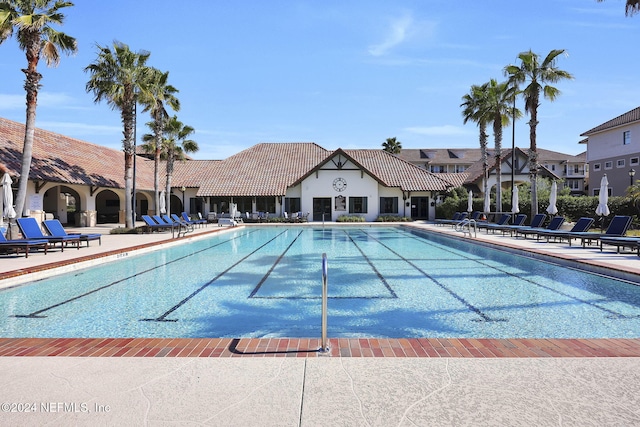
x: 175, y: 144
x: 32, y: 21
x: 158, y: 94
x: 632, y: 7
x: 475, y: 109
x: 391, y: 145
x: 538, y: 75
x: 500, y: 110
x: 117, y: 76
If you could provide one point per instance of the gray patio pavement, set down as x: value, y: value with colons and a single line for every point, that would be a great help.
x: 62, y: 391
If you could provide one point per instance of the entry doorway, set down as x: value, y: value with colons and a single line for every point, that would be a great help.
x: 420, y: 208
x: 322, y: 205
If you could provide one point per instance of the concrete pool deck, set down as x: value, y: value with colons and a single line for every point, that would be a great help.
x: 443, y: 382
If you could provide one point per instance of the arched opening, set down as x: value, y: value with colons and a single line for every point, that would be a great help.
x: 108, y: 207
x: 63, y: 203
x: 176, y: 204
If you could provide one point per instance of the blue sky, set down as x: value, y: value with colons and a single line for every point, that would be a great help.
x: 345, y: 74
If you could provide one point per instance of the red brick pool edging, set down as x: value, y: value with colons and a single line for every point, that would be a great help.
x: 303, y: 347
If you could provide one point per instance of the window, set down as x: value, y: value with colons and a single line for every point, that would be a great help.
x: 357, y: 205
x: 292, y: 204
x: 264, y: 204
x: 620, y: 163
x: 438, y: 169
x: 573, y: 184
x: 596, y: 167
x: 388, y: 205
x: 460, y: 168
x: 633, y: 161
x: 576, y: 169
x: 626, y: 137
x: 608, y: 165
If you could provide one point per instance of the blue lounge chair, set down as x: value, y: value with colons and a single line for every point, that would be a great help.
x: 194, y: 221
x: 55, y: 228
x: 536, y: 223
x: 22, y: 244
x: 504, y: 220
x: 152, y: 225
x: 457, y: 216
x: 517, y: 223
x: 31, y: 230
x: 621, y: 242
x: 617, y: 228
x: 555, y: 224
x: 581, y: 226
x: 183, y: 227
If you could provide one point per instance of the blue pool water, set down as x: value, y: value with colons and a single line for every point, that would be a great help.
x: 266, y: 282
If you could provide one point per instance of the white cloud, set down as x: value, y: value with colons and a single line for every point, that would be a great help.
x: 445, y: 130
x: 45, y: 99
x: 396, y: 34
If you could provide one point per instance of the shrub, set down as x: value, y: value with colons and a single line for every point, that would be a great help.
x: 122, y: 230
x: 350, y: 218
x: 393, y: 218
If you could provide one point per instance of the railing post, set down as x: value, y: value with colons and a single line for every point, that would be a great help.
x: 325, y: 272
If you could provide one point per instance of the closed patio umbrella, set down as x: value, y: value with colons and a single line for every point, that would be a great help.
x: 163, y: 203
x: 515, y: 200
x: 487, y: 202
x: 7, y: 197
x: 470, y: 202
x: 552, y: 209
x: 603, y: 197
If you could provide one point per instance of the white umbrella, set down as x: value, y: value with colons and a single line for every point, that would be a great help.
x: 7, y: 197
x: 515, y: 200
x: 603, y: 197
x: 163, y: 203
x: 487, y: 202
x: 470, y: 202
x: 552, y: 209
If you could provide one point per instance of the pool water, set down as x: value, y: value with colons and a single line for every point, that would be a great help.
x: 266, y: 282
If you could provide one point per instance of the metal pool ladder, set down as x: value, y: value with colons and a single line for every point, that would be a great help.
x: 465, y: 226
x: 325, y: 271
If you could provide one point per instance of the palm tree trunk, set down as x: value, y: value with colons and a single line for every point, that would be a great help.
x: 156, y: 178
x: 170, y: 158
x: 533, y: 161
x: 31, y: 86
x: 497, y: 133
x: 128, y: 187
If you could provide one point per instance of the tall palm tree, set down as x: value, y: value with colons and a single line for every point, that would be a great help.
x: 474, y: 108
x: 175, y: 144
x: 632, y: 7
x: 537, y: 75
x: 393, y: 146
x: 32, y: 21
x: 500, y: 110
x: 117, y: 76
x: 158, y: 94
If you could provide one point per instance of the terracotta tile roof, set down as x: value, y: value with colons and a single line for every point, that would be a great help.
x: 393, y: 171
x: 190, y: 173
x: 442, y: 156
x: 265, y: 169
x: 58, y: 158
x: 626, y: 118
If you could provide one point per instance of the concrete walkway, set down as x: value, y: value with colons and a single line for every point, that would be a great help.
x: 340, y: 391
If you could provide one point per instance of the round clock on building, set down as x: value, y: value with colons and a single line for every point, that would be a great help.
x: 339, y: 184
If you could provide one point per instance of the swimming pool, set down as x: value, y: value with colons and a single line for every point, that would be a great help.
x: 266, y: 282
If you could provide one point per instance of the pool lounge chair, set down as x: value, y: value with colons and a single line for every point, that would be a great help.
x: 555, y: 224
x: 621, y: 242
x: 22, y: 244
x: 187, y: 219
x: 581, y: 226
x: 517, y: 223
x: 152, y: 225
x: 457, y: 216
x: 617, y: 228
x: 30, y: 229
x: 536, y: 222
x: 55, y: 228
x: 504, y: 220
